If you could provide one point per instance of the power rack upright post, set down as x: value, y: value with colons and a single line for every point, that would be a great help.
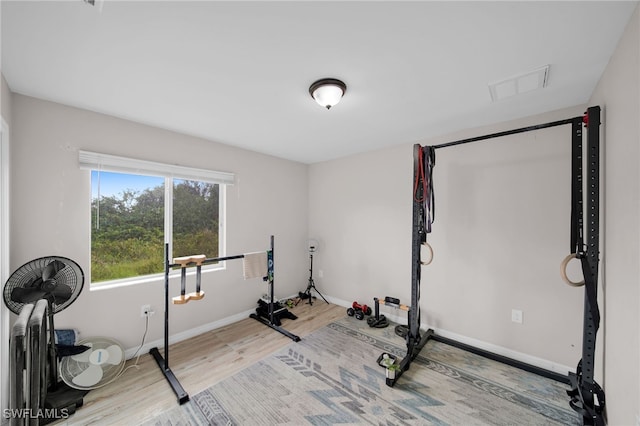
x: 587, y: 397
x: 423, y: 208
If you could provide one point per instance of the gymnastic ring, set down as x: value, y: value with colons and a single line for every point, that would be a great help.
x: 563, y: 271
x: 430, y: 254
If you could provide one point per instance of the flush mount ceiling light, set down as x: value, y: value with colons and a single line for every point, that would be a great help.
x: 327, y: 91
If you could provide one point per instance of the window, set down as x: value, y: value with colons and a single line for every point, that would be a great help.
x: 196, y: 207
x: 135, y: 211
x: 127, y: 225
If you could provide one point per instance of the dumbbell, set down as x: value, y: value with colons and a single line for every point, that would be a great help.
x: 355, y: 312
x: 363, y: 308
x: 359, y: 311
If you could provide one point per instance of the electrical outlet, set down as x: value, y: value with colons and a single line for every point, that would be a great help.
x: 320, y: 273
x: 516, y: 316
x: 145, y: 311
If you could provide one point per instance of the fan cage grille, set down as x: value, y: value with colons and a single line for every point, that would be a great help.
x: 70, y: 275
x: 72, y: 366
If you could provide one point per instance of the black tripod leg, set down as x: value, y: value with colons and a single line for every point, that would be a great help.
x: 314, y: 287
x: 323, y: 298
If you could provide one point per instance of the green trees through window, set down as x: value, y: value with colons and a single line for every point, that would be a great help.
x: 195, y: 218
x: 129, y: 214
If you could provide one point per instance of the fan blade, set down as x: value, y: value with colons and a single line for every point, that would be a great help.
x: 26, y: 295
x: 52, y: 269
x: 61, y: 293
x: 115, y: 354
x: 89, y: 377
x: 84, y: 356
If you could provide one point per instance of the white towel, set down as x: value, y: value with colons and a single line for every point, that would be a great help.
x: 254, y: 265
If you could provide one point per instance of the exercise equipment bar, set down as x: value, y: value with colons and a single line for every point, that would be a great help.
x: 199, y: 261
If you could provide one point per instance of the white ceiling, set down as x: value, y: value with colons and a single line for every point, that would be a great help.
x: 238, y: 72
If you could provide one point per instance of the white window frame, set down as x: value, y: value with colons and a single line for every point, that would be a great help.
x: 111, y: 163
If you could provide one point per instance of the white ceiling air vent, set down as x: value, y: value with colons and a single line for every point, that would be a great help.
x: 521, y: 83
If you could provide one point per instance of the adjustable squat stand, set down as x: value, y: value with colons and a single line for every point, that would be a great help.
x: 311, y: 284
x: 163, y: 363
x: 270, y: 321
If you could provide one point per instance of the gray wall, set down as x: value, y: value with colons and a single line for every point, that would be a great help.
x: 618, y: 93
x: 51, y: 211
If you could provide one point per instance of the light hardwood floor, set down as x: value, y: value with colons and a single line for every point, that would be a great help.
x: 198, y: 363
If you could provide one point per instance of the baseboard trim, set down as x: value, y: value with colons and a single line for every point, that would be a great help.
x: 187, y: 334
x: 471, y: 343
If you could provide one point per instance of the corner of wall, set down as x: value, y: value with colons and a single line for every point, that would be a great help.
x: 5, y: 100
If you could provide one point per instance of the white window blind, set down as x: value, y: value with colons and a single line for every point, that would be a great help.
x: 105, y: 162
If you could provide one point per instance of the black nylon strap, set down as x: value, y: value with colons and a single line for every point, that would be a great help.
x: 430, y: 158
x: 423, y: 188
x: 590, y: 288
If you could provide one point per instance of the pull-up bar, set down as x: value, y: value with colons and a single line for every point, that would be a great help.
x: 510, y: 132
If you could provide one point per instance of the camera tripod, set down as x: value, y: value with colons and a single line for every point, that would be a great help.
x: 307, y: 293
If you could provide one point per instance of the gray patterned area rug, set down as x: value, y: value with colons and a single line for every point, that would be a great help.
x: 331, y: 377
